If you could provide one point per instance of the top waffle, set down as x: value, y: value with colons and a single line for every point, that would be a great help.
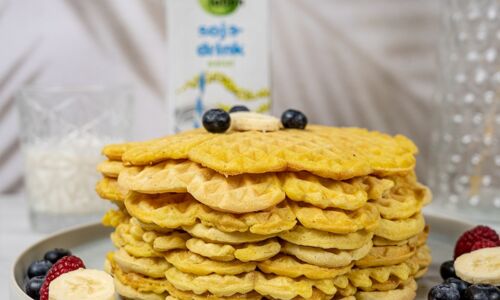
x: 336, y: 153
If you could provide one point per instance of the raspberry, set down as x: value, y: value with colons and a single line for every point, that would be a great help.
x: 64, y: 265
x: 483, y: 244
x: 468, y: 238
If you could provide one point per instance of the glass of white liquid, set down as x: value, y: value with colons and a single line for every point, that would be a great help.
x: 62, y: 131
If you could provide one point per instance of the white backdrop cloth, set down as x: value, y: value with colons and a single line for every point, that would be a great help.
x: 349, y: 63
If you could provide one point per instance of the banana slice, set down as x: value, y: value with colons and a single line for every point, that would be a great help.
x: 82, y: 284
x: 247, y: 121
x: 480, y: 266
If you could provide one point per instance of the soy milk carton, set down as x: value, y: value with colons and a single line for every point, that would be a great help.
x: 218, y: 57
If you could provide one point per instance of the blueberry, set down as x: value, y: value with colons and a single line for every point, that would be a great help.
x: 460, y: 285
x: 32, y: 287
x: 443, y: 292
x: 39, y: 268
x: 447, y: 270
x: 292, y: 118
x: 482, y: 292
x: 237, y: 108
x: 56, y: 254
x: 216, y: 120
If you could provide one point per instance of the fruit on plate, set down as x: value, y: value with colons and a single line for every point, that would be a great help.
x: 33, y: 285
x: 482, y: 291
x: 480, y: 266
x: 475, y: 270
x: 444, y: 292
x: 38, y: 268
x: 447, y: 270
x: 64, y: 265
x: 83, y: 284
x: 480, y: 234
x: 56, y: 254
x: 459, y: 284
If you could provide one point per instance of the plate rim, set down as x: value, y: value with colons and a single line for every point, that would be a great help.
x: 15, y: 288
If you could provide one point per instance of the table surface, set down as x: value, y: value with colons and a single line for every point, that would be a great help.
x: 16, y: 234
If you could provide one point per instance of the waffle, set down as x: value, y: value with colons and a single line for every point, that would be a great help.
x: 397, y: 230
x: 214, y: 235
x: 176, y: 210
x: 328, y: 258
x: 406, y: 291
x: 242, y: 252
x: 321, y: 213
x: 337, y: 154
x: 150, y: 267
x: 291, y: 267
x: 328, y: 193
x: 337, y: 221
x: 256, y: 192
x: 405, y: 199
x: 386, y: 256
x: 193, y: 263
x: 326, y: 240
x: 110, y: 168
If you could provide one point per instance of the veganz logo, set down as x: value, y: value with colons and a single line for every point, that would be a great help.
x: 220, y: 7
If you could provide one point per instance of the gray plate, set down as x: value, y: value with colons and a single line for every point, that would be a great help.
x: 91, y: 242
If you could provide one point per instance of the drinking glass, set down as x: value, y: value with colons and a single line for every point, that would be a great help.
x: 466, y: 150
x: 62, y: 131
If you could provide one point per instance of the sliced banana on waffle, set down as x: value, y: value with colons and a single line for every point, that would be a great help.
x: 249, y: 121
x: 83, y: 284
x: 480, y: 266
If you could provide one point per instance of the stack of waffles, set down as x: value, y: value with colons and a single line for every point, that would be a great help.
x: 321, y: 213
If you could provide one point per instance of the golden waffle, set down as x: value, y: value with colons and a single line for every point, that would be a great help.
x: 214, y: 235
x: 150, y: 267
x: 337, y: 221
x: 137, y: 281
x: 254, y: 192
x: 405, y: 198
x: 129, y: 292
x: 414, y: 241
x: 115, y: 151
x: 328, y: 193
x: 398, y: 230
x: 176, y: 210
x: 160, y: 242
x: 406, y: 291
x: 328, y: 258
x: 115, y: 217
x: 243, y: 252
x: 337, y: 153
x: 219, y: 285
x: 110, y: 168
x: 300, y: 235
x: 386, y: 256
x: 107, y: 188
x: 288, y: 266
x: 187, y: 295
x: 281, y: 287
x: 122, y: 238
x: 366, y: 277
x: 424, y: 259
x: 193, y: 263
